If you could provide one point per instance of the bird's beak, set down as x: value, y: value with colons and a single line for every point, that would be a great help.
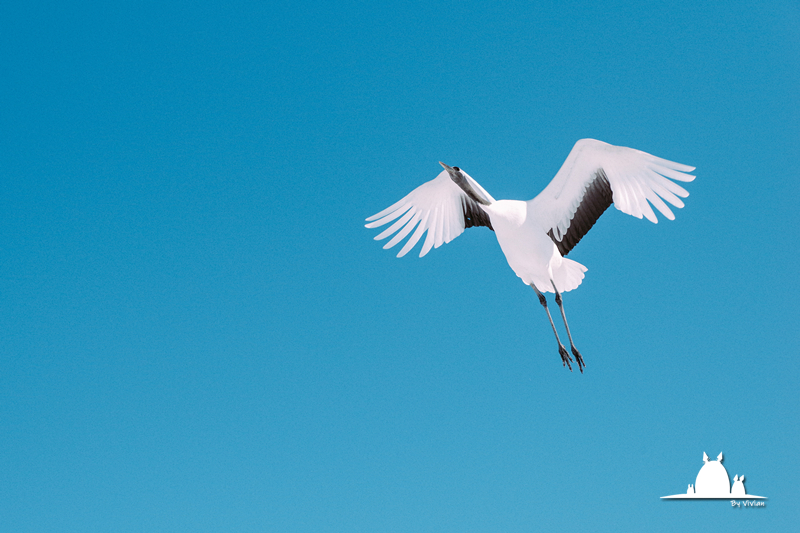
x: 450, y: 170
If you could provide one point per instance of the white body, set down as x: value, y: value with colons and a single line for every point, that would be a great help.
x: 538, y: 261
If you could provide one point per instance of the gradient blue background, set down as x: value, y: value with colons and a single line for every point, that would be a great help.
x: 198, y: 334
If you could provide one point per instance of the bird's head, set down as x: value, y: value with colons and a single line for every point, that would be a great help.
x: 461, y: 179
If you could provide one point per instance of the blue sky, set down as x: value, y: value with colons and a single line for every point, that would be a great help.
x: 199, y: 334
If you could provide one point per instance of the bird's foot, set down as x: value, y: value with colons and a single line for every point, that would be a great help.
x: 565, y: 358
x: 578, y: 359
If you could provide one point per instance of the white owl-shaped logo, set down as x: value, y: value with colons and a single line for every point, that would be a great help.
x: 713, y: 483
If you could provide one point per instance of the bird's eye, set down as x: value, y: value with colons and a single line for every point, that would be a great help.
x: 457, y: 169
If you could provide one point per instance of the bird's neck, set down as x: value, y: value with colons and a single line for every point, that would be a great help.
x: 461, y: 180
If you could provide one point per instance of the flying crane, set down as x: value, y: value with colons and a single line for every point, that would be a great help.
x: 536, y: 235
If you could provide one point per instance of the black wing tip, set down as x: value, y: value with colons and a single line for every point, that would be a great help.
x: 596, y: 199
x: 474, y: 216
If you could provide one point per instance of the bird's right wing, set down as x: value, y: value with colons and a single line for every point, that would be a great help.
x: 438, y: 206
x: 597, y: 174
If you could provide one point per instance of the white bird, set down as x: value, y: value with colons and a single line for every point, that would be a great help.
x: 537, y: 234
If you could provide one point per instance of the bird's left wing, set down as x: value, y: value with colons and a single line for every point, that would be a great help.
x: 597, y: 174
x: 438, y: 206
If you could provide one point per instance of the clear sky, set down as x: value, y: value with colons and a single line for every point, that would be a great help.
x: 198, y: 334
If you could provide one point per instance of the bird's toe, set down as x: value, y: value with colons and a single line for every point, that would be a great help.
x: 565, y: 358
x: 578, y: 359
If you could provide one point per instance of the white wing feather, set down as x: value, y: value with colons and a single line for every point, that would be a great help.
x: 635, y: 177
x: 434, y: 207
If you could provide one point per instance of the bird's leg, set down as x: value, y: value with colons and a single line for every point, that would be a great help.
x: 575, y: 351
x: 565, y: 358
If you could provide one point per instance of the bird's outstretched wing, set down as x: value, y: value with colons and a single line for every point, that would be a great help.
x: 438, y: 206
x: 597, y: 174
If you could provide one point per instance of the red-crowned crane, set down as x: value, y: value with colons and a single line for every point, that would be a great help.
x: 536, y: 235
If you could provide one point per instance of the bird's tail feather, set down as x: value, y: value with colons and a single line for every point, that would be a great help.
x: 568, y: 275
